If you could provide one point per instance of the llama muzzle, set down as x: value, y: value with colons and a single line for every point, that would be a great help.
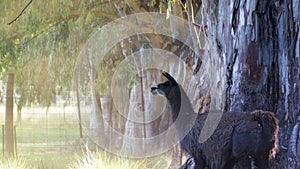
x: 154, y: 90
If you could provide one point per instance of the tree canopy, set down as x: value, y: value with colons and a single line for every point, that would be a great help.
x: 41, y: 44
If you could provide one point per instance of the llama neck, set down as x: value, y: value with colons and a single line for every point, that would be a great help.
x: 174, y: 99
x: 182, y: 110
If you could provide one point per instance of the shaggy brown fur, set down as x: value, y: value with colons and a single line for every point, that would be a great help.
x: 238, y: 135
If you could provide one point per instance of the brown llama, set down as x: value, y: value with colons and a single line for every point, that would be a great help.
x: 237, y: 136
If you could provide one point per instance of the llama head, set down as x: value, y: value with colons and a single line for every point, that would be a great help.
x: 164, y: 88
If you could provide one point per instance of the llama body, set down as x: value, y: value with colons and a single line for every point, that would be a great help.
x: 237, y: 136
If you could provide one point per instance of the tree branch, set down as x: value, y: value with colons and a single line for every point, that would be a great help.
x: 20, y: 13
x: 73, y: 14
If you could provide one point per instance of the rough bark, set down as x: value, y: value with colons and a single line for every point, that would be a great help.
x: 258, y: 42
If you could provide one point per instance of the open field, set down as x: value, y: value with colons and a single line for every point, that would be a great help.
x: 47, y: 140
x: 51, y: 141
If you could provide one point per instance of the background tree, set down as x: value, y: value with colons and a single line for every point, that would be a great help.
x: 41, y: 49
x: 9, y: 123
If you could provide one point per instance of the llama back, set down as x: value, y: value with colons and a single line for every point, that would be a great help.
x: 270, y: 128
x: 268, y: 121
x: 258, y: 136
x: 238, y: 135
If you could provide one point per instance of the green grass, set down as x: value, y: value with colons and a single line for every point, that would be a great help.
x: 104, y: 160
x: 39, y: 161
x: 52, y: 142
x: 45, y: 141
x: 14, y: 164
x: 89, y: 160
x: 52, y: 160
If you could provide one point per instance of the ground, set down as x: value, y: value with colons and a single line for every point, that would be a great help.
x: 47, y: 140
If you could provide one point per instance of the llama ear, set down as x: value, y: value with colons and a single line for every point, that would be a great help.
x: 169, y: 77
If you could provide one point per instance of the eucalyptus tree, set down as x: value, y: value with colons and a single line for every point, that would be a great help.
x: 41, y: 46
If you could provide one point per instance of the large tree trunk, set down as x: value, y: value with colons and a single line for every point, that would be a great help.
x: 258, y: 42
x: 258, y: 46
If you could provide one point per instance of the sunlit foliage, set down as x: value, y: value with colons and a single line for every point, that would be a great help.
x: 42, y: 45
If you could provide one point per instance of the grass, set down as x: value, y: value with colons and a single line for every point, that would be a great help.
x: 52, y: 160
x: 52, y: 142
x: 39, y: 161
x: 104, y: 160
x: 90, y: 160
x: 45, y: 141
x: 14, y: 164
